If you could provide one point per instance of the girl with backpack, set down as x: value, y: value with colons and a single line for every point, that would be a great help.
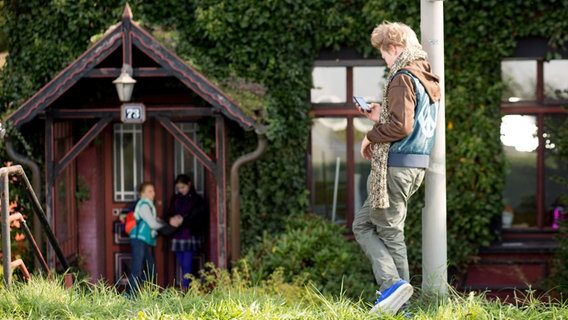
x: 143, y: 237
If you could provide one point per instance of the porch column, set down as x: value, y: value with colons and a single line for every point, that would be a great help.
x: 49, y: 182
x: 221, y: 190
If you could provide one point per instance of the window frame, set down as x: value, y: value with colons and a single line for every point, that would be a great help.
x: 540, y: 108
x: 197, y: 172
x: 343, y: 110
x: 120, y: 194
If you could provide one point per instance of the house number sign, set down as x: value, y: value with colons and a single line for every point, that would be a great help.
x: 132, y: 113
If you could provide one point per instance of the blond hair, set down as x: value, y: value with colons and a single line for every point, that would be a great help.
x: 394, y: 33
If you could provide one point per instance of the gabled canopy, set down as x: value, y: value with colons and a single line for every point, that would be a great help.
x: 94, y: 63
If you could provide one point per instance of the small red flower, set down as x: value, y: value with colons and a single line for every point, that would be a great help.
x: 20, y: 237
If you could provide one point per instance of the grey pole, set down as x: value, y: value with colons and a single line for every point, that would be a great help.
x: 6, y: 245
x: 434, y: 239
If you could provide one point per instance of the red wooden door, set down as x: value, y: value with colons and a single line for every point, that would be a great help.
x: 135, y: 153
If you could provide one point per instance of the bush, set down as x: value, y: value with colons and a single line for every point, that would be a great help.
x: 558, y: 281
x: 312, y: 249
x: 559, y: 278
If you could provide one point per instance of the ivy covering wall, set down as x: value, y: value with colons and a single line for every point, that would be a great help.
x: 273, y: 43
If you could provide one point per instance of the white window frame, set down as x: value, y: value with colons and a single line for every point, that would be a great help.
x: 196, y: 170
x: 120, y: 164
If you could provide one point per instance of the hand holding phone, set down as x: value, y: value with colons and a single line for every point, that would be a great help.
x: 361, y: 102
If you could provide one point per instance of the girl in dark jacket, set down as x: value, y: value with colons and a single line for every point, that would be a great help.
x: 188, y: 206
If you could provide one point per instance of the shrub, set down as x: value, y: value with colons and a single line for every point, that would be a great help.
x: 558, y: 281
x: 315, y: 250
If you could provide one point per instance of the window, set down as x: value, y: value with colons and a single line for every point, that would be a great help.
x: 368, y: 82
x: 362, y: 166
x: 520, y: 80
x: 329, y: 85
x: 520, y: 141
x: 555, y: 80
x: 533, y: 105
x: 187, y: 163
x: 329, y: 158
x: 127, y: 161
x: 337, y: 172
x: 553, y: 168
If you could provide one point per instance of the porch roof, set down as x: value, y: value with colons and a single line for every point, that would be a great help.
x: 130, y: 37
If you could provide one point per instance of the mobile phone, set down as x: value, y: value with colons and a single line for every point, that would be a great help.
x: 361, y: 102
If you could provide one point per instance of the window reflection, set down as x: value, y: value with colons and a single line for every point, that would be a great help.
x: 329, y: 85
x: 556, y: 82
x: 368, y: 82
x: 127, y: 160
x: 519, y: 132
x: 532, y: 185
x: 554, y: 169
x: 185, y: 162
x: 520, y: 152
x: 520, y: 80
x: 329, y: 186
x: 362, y: 166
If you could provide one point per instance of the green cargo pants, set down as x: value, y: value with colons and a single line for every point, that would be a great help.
x: 380, y: 233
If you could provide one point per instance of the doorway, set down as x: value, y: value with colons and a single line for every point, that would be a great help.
x: 136, y: 153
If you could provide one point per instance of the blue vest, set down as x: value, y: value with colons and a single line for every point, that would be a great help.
x: 142, y: 231
x: 414, y: 150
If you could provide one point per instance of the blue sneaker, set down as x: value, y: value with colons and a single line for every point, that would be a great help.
x: 393, y: 298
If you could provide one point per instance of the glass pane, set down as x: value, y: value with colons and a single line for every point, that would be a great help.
x: 362, y: 166
x: 553, y: 168
x: 369, y: 82
x: 137, y: 162
x: 329, y: 85
x: 185, y: 162
x: 116, y: 160
x: 127, y: 161
x: 556, y: 82
x: 329, y: 181
x: 128, y: 158
x: 518, y: 135
x: 520, y: 80
x: 519, y: 132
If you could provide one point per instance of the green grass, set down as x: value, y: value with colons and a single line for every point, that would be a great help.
x: 231, y: 296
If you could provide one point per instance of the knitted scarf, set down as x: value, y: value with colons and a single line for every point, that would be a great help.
x: 378, y: 196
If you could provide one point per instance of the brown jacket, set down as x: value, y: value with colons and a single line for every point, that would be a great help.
x: 402, y: 101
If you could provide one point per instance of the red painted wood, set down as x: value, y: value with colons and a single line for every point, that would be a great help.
x: 213, y: 244
x: 511, y: 267
x: 157, y: 169
x: 90, y: 217
x: 221, y: 192
x: 109, y: 248
x: 506, y: 274
x: 350, y: 166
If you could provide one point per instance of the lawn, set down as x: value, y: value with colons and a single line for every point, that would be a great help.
x: 222, y: 295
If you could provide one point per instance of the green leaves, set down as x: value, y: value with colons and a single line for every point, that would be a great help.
x: 313, y: 249
x: 274, y: 44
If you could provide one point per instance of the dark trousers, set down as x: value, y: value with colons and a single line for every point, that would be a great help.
x: 143, y: 267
